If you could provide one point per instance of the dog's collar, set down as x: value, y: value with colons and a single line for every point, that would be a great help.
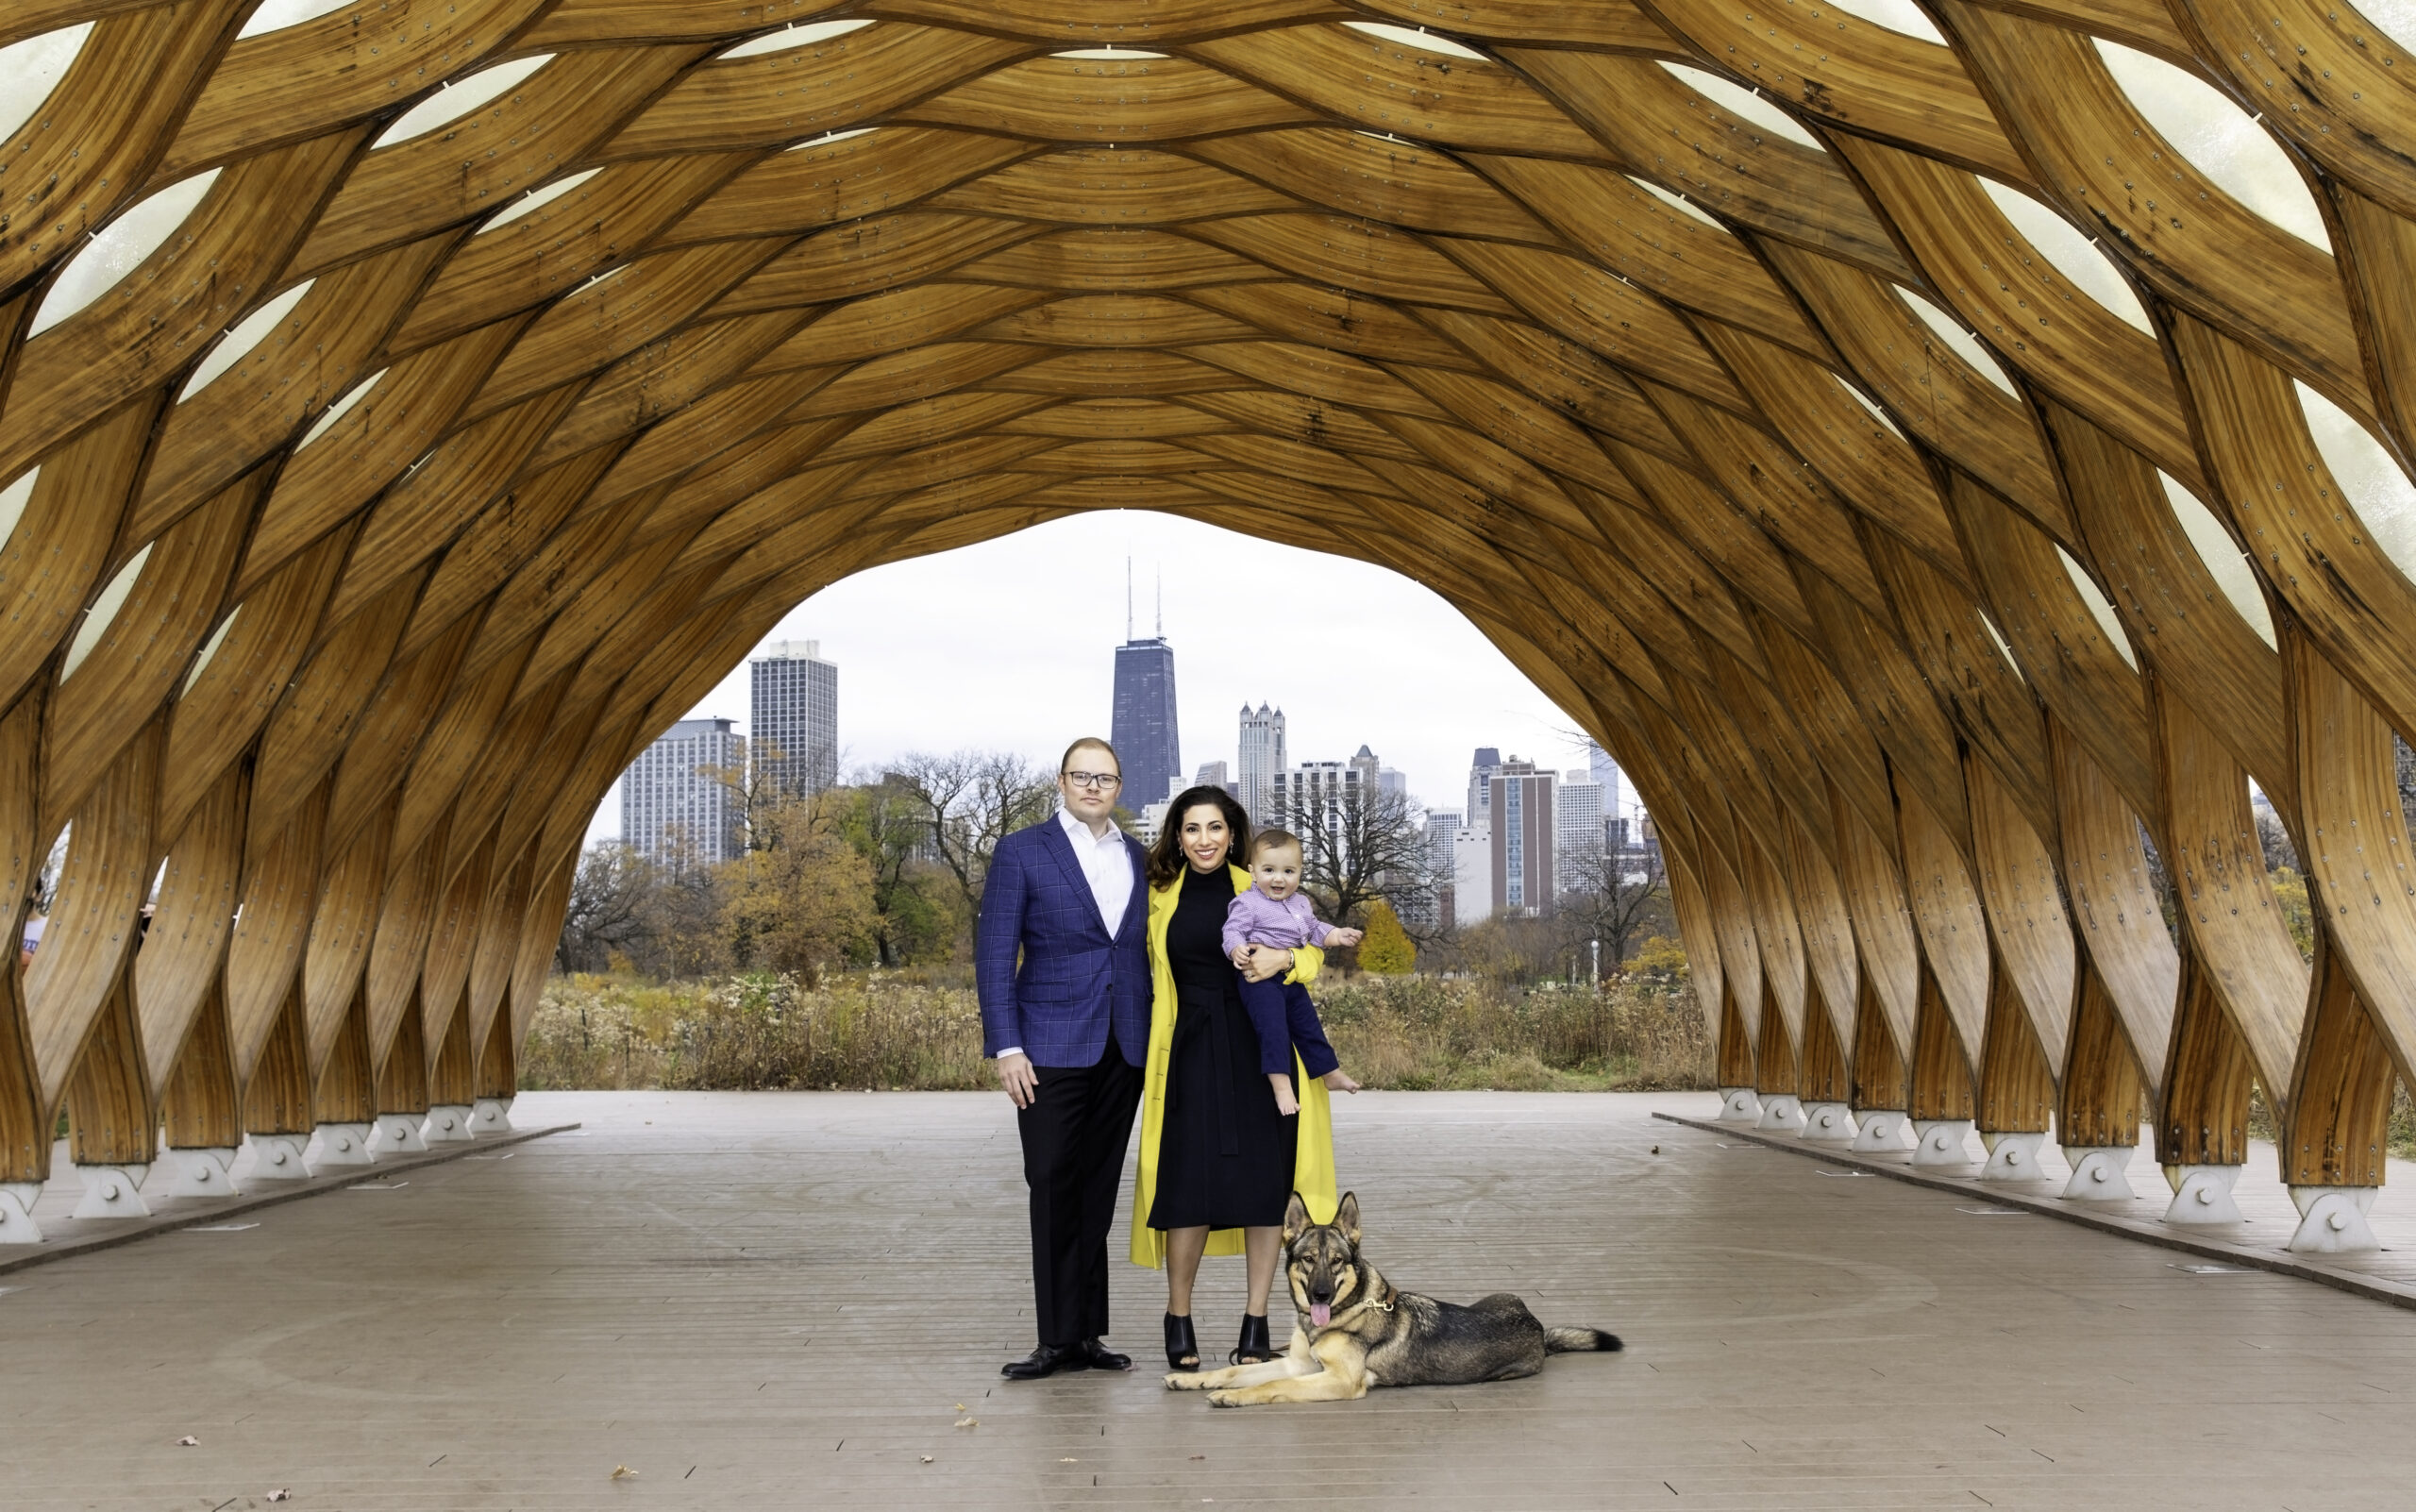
x: 1366, y: 1303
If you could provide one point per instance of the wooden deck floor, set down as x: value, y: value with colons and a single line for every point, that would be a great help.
x: 781, y: 1301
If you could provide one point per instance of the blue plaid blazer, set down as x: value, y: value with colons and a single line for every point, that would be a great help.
x: 1073, y: 978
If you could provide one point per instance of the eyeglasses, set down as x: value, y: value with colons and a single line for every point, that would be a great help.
x: 1094, y: 780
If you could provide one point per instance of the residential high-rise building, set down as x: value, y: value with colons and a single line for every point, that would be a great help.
x: 1578, y: 837
x: 795, y: 723
x: 1481, y: 770
x: 1262, y: 755
x: 1442, y: 824
x: 1437, y: 909
x: 1473, y: 874
x: 680, y: 799
x: 1520, y: 810
x: 1310, y: 796
x: 1143, y: 727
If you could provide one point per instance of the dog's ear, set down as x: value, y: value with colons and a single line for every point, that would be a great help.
x: 1346, y: 1216
x: 1296, y: 1218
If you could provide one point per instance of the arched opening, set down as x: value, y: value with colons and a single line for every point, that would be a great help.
x: 1817, y: 412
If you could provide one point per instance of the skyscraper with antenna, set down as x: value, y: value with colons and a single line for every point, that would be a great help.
x: 1144, y: 725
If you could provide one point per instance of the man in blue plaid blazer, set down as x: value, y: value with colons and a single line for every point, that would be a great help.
x: 1061, y: 962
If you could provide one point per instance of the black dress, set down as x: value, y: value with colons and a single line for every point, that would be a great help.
x: 1225, y: 1156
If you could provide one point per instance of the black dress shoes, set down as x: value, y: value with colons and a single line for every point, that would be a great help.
x: 1102, y: 1358
x: 1050, y: 1358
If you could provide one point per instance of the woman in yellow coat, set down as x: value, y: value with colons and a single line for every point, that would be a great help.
x: 1219, y: 1161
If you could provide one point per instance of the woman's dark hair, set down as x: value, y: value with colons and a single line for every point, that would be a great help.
x: 1166, y: 860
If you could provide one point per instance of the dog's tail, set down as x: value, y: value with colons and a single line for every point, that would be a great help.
x: 1579, y: 1341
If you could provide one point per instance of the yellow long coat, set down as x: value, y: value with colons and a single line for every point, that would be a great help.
x: 1313, y: 1168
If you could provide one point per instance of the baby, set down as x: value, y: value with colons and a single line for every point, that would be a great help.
x: 1270, y: 911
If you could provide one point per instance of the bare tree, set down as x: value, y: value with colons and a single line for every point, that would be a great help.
x: 971, y: 801
x: 610, y: 899
x: 1621, y: 900
x: 1362, y: 845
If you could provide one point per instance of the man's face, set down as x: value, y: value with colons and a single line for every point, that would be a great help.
x: 1089, y: 784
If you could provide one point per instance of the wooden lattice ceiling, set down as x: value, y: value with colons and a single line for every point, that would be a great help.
x: 1798, y: 444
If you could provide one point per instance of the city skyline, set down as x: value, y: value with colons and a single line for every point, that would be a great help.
x: 973, y: 632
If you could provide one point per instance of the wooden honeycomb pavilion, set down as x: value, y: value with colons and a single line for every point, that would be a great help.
x: 1948, y: 453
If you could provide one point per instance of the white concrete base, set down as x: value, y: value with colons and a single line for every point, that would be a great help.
x: 491, y: 1116
x: 2202, y: 1195
x: 446, y: 1123
x: 17, y: 1225
x: 1942, y: 1142
x: 1828, y: 1123
x: 202, y: 1173
x: 344, y: 1144
x: 112, y: 1192
x: 2097, y: 1173
x: 277, y: 1157
x: 1738, y: 1104
x: 2332, y: 1219
x: 1882, y: 1131
x: 399, y: 1134
x: 2012, y: 1157
x: 1783, y: 1114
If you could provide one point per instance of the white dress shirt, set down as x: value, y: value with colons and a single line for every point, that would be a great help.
x: 1109, y: 870
x: 1106, y: 866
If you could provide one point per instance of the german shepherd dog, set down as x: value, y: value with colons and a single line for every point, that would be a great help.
x: 1357, y: 1331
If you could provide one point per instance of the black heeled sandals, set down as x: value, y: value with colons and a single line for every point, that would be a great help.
x: 1182, y: 1345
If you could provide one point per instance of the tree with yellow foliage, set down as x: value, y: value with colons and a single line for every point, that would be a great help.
x: 1387, y: 949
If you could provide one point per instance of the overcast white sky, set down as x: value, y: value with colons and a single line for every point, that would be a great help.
x: 1010, y: 645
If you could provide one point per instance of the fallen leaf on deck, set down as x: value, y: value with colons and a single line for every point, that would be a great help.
x: 960, y: 1406
x: 1069, y: 1460
x: 188, y: 1441
x: 622, y: 1472
x: 926, y: 1459
x: 968, y: 1423
x: 280, y: 1494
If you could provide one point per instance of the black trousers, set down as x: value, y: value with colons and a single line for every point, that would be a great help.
x: 1073, y: 1160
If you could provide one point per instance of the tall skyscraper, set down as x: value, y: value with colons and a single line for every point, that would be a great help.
x: 1617, y: 798
x: 1481, y: 770
x: 1442, y: 824
x: 1521, y: 804
x: 1262, y: 755
x: 1144, y: 732
x: 1472, y: 895
x: 1578, y: 838
x: 679, y: 801
x: 1436, y: 910
x: 1215, y: 774
x: 796, y: 717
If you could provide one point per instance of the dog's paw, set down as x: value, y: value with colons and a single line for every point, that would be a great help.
x: 1182, y: 1380
x: 1227, y: 1399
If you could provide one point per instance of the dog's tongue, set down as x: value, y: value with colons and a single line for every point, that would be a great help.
x: 1320, y: 1314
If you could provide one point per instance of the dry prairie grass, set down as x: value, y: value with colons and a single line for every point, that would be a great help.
x: 756, y: 1032
x: 1416, y: 1034
x: 898, y: 1031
